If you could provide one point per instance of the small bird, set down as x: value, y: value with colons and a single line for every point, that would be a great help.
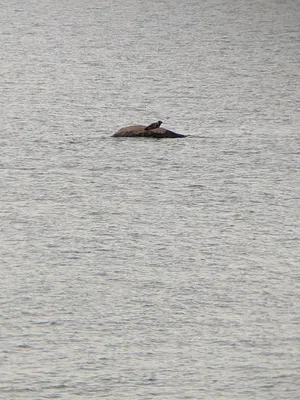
x: 153, y: 126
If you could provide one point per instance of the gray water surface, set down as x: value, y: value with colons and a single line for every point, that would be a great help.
x: 143, y: 268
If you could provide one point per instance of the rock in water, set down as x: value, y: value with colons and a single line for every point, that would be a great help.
x: 139, y: 131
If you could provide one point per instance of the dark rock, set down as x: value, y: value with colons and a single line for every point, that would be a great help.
x: 139, y: 131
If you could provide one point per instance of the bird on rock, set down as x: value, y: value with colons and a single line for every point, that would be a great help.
x: 153, y: 126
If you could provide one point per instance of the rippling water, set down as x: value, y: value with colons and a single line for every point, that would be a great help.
x: 143, y: 268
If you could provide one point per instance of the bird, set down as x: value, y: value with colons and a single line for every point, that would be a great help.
x: 153, y: 126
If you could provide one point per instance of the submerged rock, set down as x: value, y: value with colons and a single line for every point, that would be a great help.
x: 139, y: 131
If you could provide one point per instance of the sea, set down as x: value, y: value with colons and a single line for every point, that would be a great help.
x: 142, y: 268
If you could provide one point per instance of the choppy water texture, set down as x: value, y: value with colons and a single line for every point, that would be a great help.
x: 142, y: 268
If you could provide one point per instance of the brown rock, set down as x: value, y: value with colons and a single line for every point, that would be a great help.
x: 139, y: 131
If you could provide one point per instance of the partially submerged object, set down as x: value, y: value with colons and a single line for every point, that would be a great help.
x: 144, y: 131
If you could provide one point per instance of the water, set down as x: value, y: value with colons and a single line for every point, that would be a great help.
x: 143, y: 268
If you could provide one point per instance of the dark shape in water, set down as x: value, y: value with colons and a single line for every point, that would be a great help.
x: 140, y: 131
